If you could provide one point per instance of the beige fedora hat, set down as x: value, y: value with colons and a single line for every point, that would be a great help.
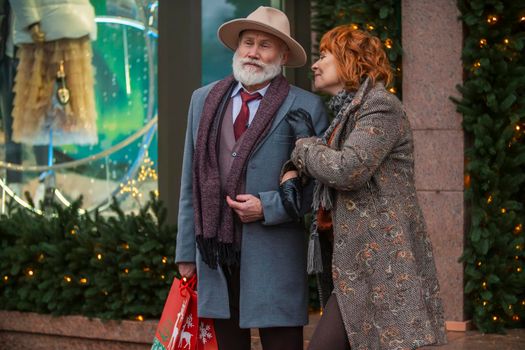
x: 268, y: 20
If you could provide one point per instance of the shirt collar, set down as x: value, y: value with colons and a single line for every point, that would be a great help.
x: 239, y: 86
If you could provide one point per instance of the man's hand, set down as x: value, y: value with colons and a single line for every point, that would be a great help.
x: 37, y: 34
x: 301, y: 123
x: 247, y: 207
x: 186, y: 269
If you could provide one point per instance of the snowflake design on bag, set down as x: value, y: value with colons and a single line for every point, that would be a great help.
x: 204, y: 333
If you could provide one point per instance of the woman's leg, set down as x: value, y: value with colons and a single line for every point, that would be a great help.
x: 330, y: 332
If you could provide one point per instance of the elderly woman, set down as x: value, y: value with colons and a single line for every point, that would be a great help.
x: 386, y: 294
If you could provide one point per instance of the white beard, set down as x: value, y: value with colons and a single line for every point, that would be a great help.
x: 249, y: 76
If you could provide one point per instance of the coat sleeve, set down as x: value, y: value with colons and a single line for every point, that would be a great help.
x: 26, y: 12
x: 185, y: 248
x: 377, y: 130
x: 273, y: 209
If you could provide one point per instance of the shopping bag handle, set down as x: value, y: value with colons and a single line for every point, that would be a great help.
x: 186, y: 284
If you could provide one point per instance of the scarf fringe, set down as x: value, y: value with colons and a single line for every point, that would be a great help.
x: 214, y: 252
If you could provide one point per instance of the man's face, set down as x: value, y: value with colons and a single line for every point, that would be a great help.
x: 258, y: 58
x: 261, y: 46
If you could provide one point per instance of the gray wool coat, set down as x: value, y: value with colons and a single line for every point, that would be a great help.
x: 273, y: 290
x: 383, y: 266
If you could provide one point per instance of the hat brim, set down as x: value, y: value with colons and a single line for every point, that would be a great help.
x: 229, y: 32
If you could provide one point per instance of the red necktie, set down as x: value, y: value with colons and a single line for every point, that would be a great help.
x: 241, y: 122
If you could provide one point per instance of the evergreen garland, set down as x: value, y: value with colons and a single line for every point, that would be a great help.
x: 493, y: 108
x: 381, y: 18
x: 116, y: 267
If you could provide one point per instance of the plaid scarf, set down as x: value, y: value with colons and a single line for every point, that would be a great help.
x: 214, y: 219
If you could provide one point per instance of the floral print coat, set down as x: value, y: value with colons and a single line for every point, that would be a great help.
x: 383, y: 266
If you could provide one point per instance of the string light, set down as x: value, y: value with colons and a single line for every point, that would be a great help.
x: 476, y: 64
x: 516, y: 258
x: 506, y: 41
x: 485, y: 303
x: 515, y: 318
x: 129, y: 187
x: 484, y: 285
x: 518, y: 269
x: 30, y: 273
x: 83, y: 280
x: 164, y: 260
x: 503, y: 210
x: 388, y: 43
x: 370, y: 27
x: 6, y: 278
x: 146, y: 170
x: 523, y: 303
x: 354, y: 26
x: 139, y: 318
x: 146, y: 269
x: 482, y: 42
x: 41, y: 257
x: 518, y: 247
x: 518, y: 128
x: 489, y: 200
x: 126, y: 270
x: 73, y: 232
x: 99, y: 256
x: 479, y: 263
x: 105, y: 292
x: 162, y: 277
x: 510, y: 307
x: 392, y: 90
x: 522, y: 19
x: 125, y: 246
x: 492, y: 19
x: 67, y: 279
x: 495, y: 318
x: 518, y: 228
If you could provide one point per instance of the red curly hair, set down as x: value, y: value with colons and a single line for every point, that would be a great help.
x: 358, y: 55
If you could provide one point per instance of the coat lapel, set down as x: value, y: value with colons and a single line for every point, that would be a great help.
x: 281, y: 113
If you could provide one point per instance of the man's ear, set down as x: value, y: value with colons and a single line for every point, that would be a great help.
x: 284, y: 60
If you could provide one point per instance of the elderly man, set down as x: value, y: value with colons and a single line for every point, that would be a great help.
x: 233, y: 230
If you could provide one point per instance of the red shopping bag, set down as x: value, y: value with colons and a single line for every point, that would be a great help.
x: 207, y: 340
x: 179, y: 327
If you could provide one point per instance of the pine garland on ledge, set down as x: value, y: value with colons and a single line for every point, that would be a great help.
x: 111, y: 267
x: 493, y: 108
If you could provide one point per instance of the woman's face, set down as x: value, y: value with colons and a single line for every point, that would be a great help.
x: 326, y: 77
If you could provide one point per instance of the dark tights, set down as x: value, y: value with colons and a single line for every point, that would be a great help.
x: 330, y: 332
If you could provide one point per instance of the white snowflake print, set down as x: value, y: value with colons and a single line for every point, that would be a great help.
x: 204, y: 332
x: 189, y: 322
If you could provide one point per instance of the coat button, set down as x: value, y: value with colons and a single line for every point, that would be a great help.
x: 234, y: 154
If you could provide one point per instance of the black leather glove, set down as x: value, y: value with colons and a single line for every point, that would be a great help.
x: 291, y: 192
x: 301, y: 123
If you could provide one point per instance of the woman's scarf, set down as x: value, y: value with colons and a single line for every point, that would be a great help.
x: 339, y: 105
x: 214, y: 219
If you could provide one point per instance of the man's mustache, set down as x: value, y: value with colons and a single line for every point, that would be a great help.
x: 252, y: 61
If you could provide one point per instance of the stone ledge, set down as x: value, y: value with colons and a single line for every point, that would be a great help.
x: 79, y: 327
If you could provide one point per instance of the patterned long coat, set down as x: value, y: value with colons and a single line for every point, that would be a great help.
x: 383, y: 266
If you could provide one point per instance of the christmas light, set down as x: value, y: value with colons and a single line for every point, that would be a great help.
x: 392, y: 90
x: 162, y: 277
x: 370, y: 27
x: 517, y: 257
x: 503, y: 210
x: 99, y: 256
x: 518, y: 228
x: 139, y: 318
x: 515, y: 318
x: 522, y: 19
x: 477, y: 64
x: 518, y: 269
x: 41, y: 257
x: 67, y: 279
x: 484, y: 285
x: 479, y: 263
x: 105, y: 292
x: 164, y: 260
x: 30, y: 272
x: 467, y: 181
x: 83, y: 280
x: 126, y: 270
x: 523, y: 302
x: 125, y: 246
x: 354, y: 26
x: 6, y: 278
x: 482, y: 42
x: 388, y: 43
x: 73, y: 232
x: 485, y: 303
x: 495, y: 318
x: 518, y: 128
x: 489, y: 200
x: 510, y: 307
x: 492, y: 19
x: 146, y: 269
x: 506, y: 41
x: 518, y: 247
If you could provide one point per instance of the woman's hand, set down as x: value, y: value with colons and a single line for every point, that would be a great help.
x: 291, y: 192
x: 37, y: 34
x: 301, y: 123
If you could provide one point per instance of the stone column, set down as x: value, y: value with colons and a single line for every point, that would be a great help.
x: 432, y: 43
